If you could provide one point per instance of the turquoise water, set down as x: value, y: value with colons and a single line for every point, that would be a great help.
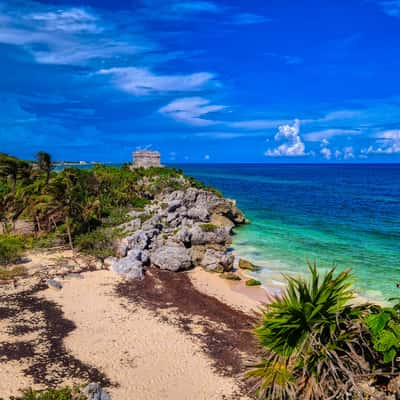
x: 343, y: 215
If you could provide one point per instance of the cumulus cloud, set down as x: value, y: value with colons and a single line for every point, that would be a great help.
x: 388, y: 142
x: 325, y: 150
x: 292, y: 144
x: 141, y: 81
x: 348, y: 153
x: 191, y: 110
x: 328, y: 133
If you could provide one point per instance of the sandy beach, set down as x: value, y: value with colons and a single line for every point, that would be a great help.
x: 172, y: 336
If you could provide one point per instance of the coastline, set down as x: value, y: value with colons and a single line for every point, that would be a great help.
x: 193, y: 325
x: 161, y: 301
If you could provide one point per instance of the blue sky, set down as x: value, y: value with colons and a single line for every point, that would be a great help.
x: 200, y: 80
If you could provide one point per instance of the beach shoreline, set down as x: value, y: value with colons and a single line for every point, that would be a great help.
x: 194, y: 325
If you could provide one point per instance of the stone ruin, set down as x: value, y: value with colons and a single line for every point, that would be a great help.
x: 146, y: 159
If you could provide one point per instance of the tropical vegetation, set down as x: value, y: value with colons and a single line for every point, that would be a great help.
x: 51, y: 394
x: 75, y: 202
x: 318, y: 344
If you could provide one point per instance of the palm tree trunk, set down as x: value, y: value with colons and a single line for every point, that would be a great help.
x: 69, y: 234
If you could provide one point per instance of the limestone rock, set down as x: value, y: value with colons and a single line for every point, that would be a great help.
x: 198, y: 214
x: 197, y: 253
x: 185, y: 236
x: 153, y: 223
x: 138, y: 240
x: 121, y: 247
x: 200, y: 235
x: 54, y: 284
x: 131, y: 226
x: 172, y: 258
x: 109, y: 261
x: 217, y: 261
x: 247, y: 265
x: 174, y: 205
x: 93, y: 391
x: 220, y: 220
x: 131, y: 266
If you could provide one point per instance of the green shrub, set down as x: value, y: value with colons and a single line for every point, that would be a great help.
x: 11, y: 248
x: 253, y: 282
x: 230, y: 276
x: 6, y: 274
x: 98, y: 243
x: 247, y: 265
x: 384, y: 326
x: 50, y: 394
x: 208, y: 227
x: 313, y: 340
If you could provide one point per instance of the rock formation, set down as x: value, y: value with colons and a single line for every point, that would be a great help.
x: 178, y: 231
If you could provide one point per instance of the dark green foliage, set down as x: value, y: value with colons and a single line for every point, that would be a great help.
x: 44, y: 163
x: 6, y: 274
x: 77, y: 201
x: 50, y: 394
x: 253, y: 282
x: 247, y: 265
x: 384, y: 325
x: 231, y: 276
x: 208, y: 227
x: 312, y: 339
x: 11, y: 248
x: 98, y: 243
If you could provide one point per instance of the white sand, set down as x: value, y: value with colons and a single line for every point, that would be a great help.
x: 147, y: 358
x: 233, y: 293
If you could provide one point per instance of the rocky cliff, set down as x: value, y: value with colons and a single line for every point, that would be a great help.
x: 177, y: 231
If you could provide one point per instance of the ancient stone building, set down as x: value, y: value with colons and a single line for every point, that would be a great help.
x: 146, y: 158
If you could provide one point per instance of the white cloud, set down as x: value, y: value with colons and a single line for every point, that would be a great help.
x: 348, y: 153
x: 388, y: 142
x: 67, y: 20
x: 191, y: 110
x: 326, y: 152
x: 328, y: 133
x: 337, y: 154
x: 66, y: 35
x: 141, y: 81
x: 292, y: 144
x: 324, y: 142
x: 258, y: 124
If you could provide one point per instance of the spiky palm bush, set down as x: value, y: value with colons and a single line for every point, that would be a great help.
x: 313, y: 341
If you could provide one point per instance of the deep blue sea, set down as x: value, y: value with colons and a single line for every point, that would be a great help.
x: 342, y: 215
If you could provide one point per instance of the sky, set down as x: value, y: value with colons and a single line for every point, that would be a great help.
x: 201, y: 80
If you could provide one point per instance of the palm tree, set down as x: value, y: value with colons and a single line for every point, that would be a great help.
x: 9, y: 167
x: 44, y: 163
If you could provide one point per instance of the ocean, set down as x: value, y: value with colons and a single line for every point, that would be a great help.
x: 346, y: 216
